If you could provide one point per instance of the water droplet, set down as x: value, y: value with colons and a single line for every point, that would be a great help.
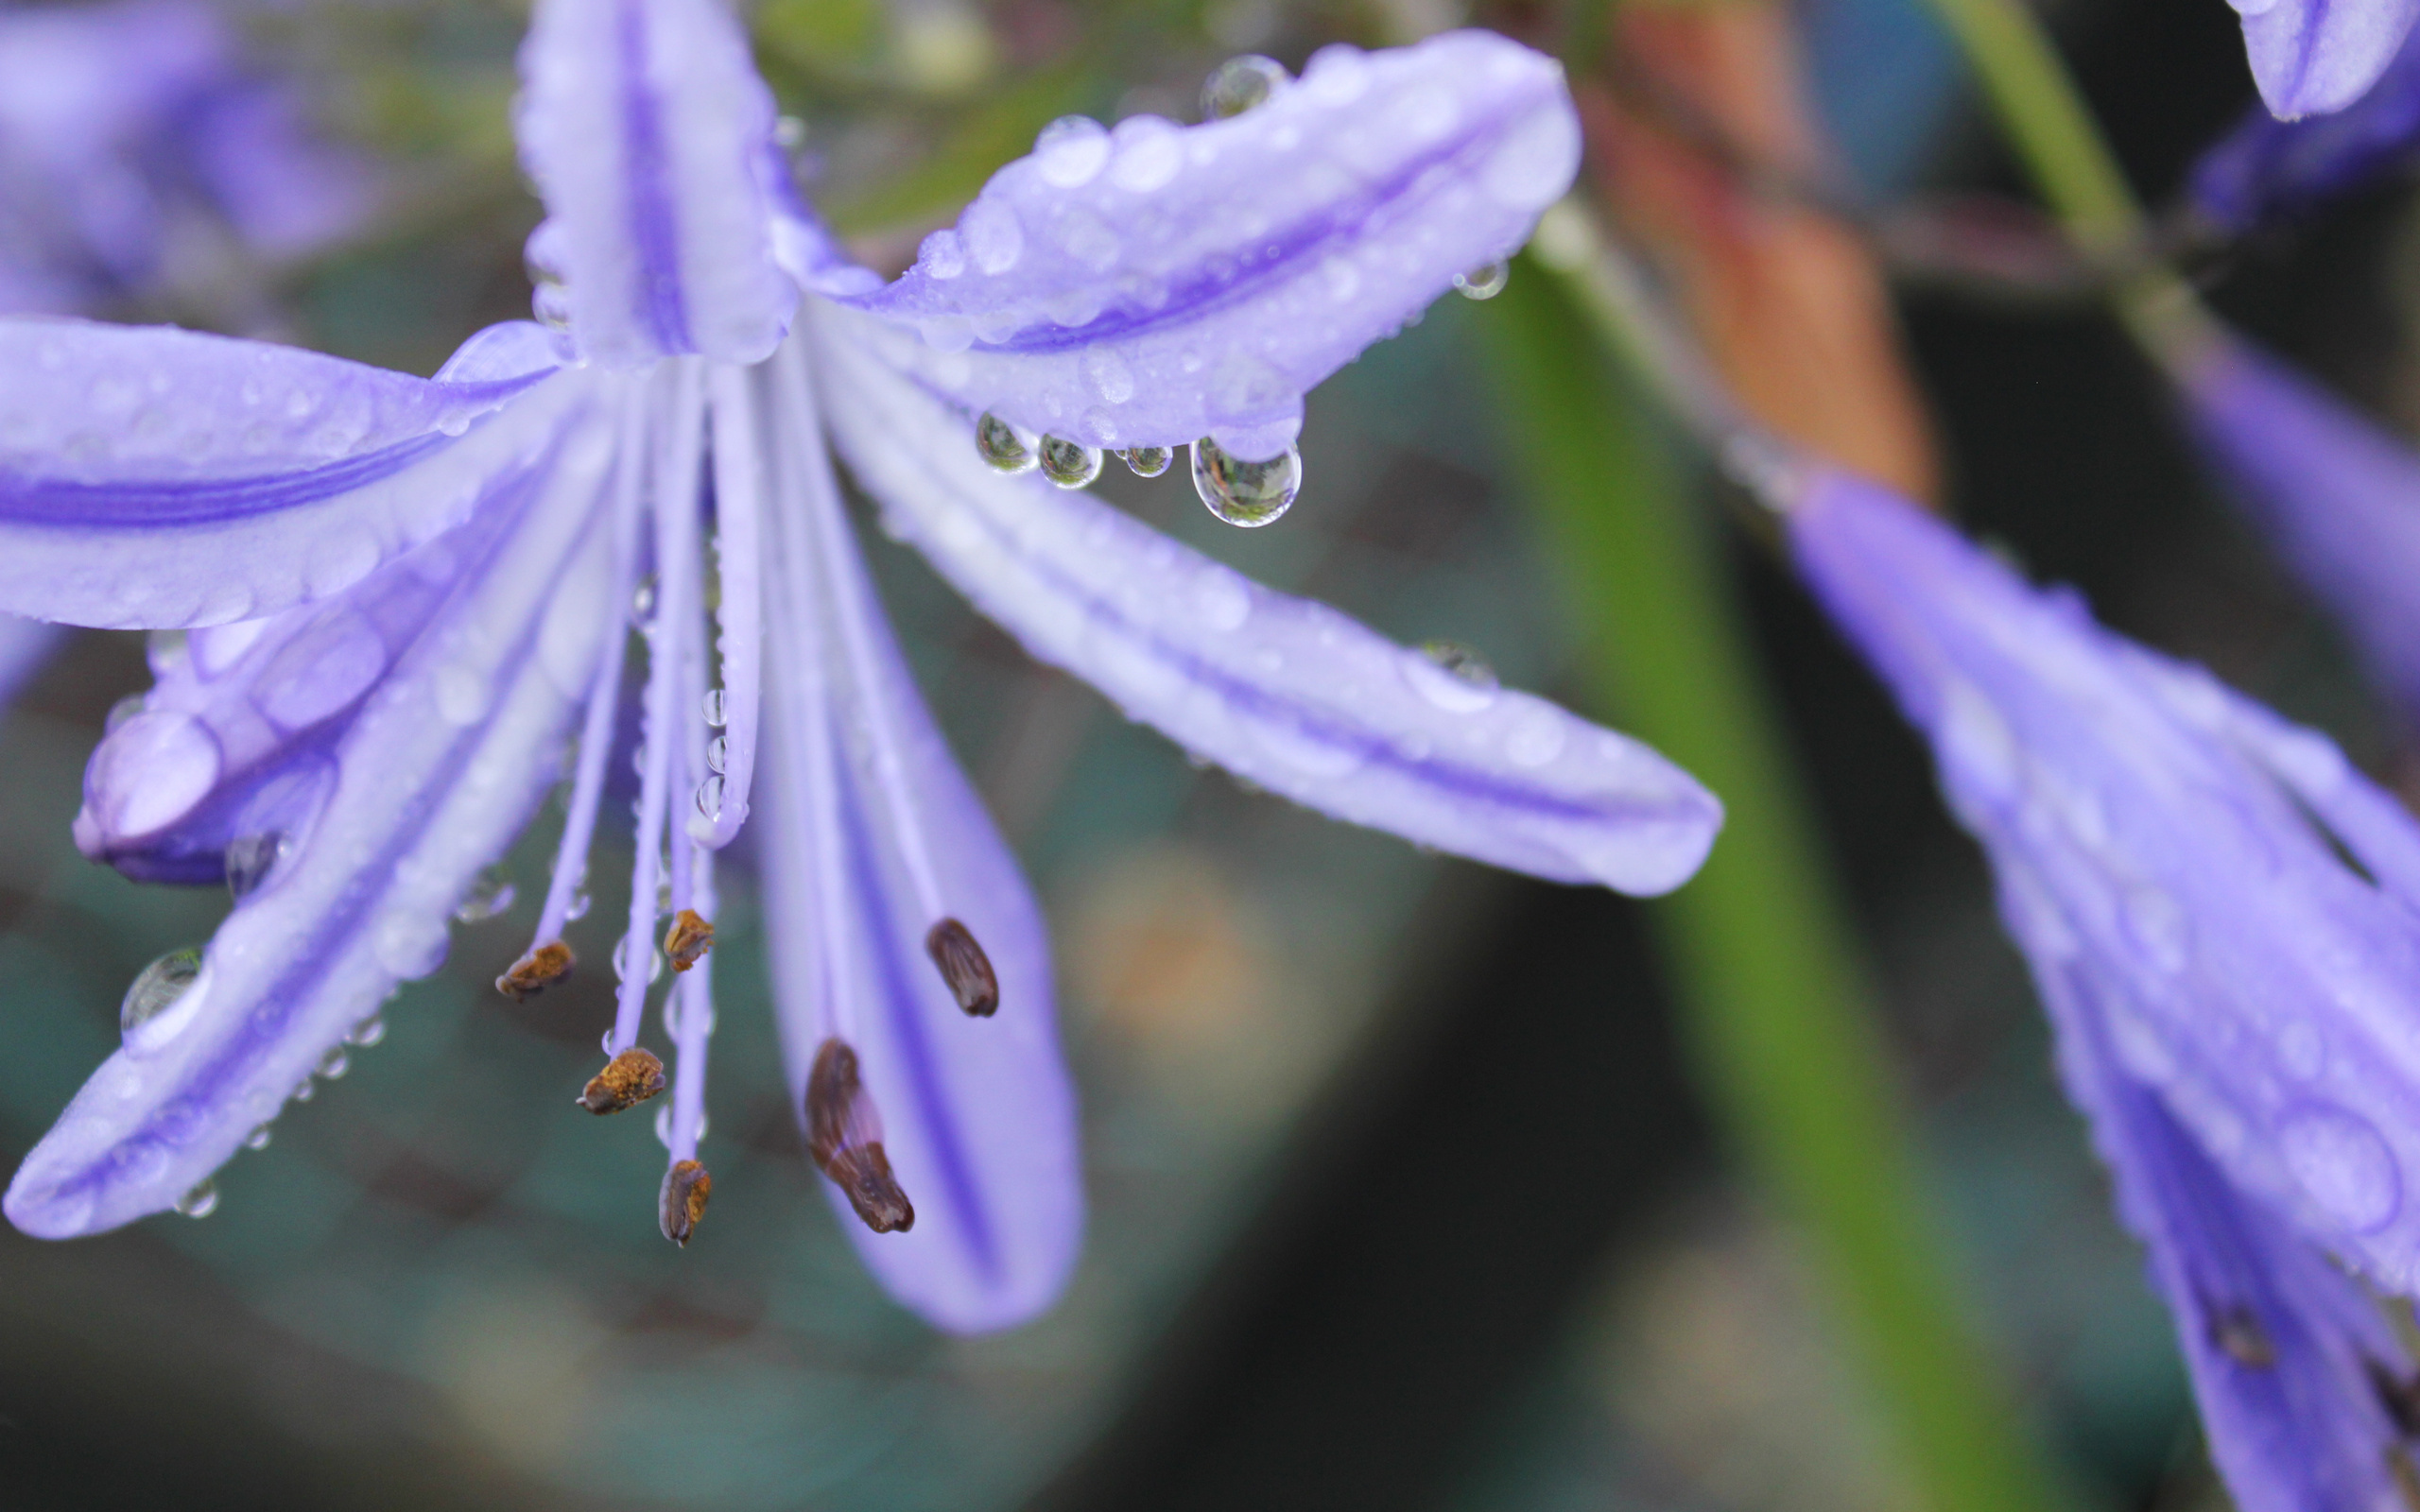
x: 335, y: 1063
x: 408, y: 943
x: 1008, y: 448
x: 710, y: 798
x: 550, y: 305
x: 1147, y: 461
x: 943, y: 255
x: 1451, y: 675
x: 643, y: 601
x: 258, y: 1138
x: 122, y: 711
x: 719, y: 755
x: 166, y: 650
x: 790, y: 133
x: 2156, y: 922
x: 607, y: 1041
x: 654, y: 960
x: 1483, y: 283
x: 1111, y: 377
x: 1069, y: 464
x: 462, y: 694
x: 638, y: 762
x: 714, y: 706
x: 664, y: 1126
x: 251, y: 858
x: 992, y: 236
x: 303, y: 1090
x: 157, y: 988
x: 1239, y: 84
x: 577, y: 905
x: 369, y: 1031
x: 491, y: 893
x: 1246, y: 493
x: 201, y: 1201
x: 1071, y: 152
x: 2343, y: 1165
x: 1537, y: 738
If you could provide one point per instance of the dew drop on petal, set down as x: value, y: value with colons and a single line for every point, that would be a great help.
x: 1069, y: 464
x: 1110, y: 375
x: 258, y: 1138
x: 1483, y: 283
x: 2155, y: 923
x: 408, y: 943
x: 1008, y: 448
x: 710, y: 798
x: 491, y: 893
x: 122, y: 711
x: 715, y: 708
x: 1147, y: 461
x: 2343, y: 1165
x: 718, y: 755
x: 1071, y: 152
x: 335, y: 1063
x: 943, y: 255
x: 251, y: 858
x: 157, y: 988
x: 643, y: 601
x: 1239, y: 84
x: 368, y: 1032
x: 1451, y: 675
x: 991, y: 236
x: 201, y: 1201
x: 1250, y: 494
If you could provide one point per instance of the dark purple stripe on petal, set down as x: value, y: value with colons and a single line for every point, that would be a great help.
x: 652, y: 230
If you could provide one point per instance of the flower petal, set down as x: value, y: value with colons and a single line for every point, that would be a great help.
x: 155, y: 477
x: 1155, y: 283
x: 643, y: 123
x: 2310, y: 56
x: 869, y: 831
x: 2268, y: 167
x: 25, y: 649
x: 438, y: 772
x: 1290, y: 693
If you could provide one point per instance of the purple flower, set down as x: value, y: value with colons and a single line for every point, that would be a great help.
x: 404, y: 594
x: 2311, y: 57
x: 2233, y: 999
x: 2339, y: 496
x: 133, y: 135
x: 2267, y: 168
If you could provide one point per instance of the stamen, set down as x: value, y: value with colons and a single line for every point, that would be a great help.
x: 545, y: 965
x: 2239, y: 1335
x: 629, y: 1079
x: 689, y: 937
x: 965, y: 967
x: 2399, y: 1395
x: 683, y: 1202
x: 844, y: 1136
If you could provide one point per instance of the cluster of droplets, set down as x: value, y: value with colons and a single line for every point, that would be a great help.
x: 715, y: 708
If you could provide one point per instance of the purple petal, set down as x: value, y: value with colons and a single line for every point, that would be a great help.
x: 1155, y: 283
x: 157, y: 477
x: 1292, y: 695
x: 438, y: 773
x: 2339, y: 496
x: 2162, y: 836
x: 870, y: 834
x: 643, y: 122
x: 25, y: 649
x: 2310, y: 56
x: 2267, y: 168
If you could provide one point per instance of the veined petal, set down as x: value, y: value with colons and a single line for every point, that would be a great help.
x: 2310, y: 56
x: 1157, y: 283
x: 869, y: 831
x: 1290, y: 693
x: 643, y: 122
x: 431, y: 782
x: 2176, y: 846
x: 161, y: 478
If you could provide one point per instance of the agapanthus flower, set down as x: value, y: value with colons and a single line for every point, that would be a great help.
x: 2337, y: 493
x: 2222, y: 916
x: 136, y: 139
x: 402, y: 594
x: 2266, y: 168
x: 2311, y: 57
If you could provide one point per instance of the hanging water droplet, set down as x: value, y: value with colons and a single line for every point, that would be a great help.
x: 664, y: 1126
x: 643, y: 601
x: 1068, y: 464
x: 790, y: 133
x: 1008, y: 448
x: 201, y: 1201
x: 258, y: 1138
x: 550, y: 305
x: 1484, y: 281
x: 1071, y: 152
x: 576, y: 906
x: 607, y: 1041
x: 122, y: 711
x: 719, y: 755
x: 166, y: 650
x: 304, y: 1090
x: 1242, y: 83
x: 1148, y: 461
x: 715, y: 708
x: 369, y: 1031
x: 251, y: 858
x: 155, y: 988
x: 638, y: 762
x: 335, y: 1063
x: 491, y: 892
x: 621, y: 954
x: 1250, y: 494
x: 710, y: 798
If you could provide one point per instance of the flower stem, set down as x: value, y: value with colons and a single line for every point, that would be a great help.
x: 1776, y: 998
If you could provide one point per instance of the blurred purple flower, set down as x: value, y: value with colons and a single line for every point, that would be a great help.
x: 133, y: 135
x: 2311, y: 57
x: 2267, y: 168
x: 2233, y: 999
x: 405, y: 592
x: 2339, y: 495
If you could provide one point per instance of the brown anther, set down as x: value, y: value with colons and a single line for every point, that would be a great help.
x: 844, y: 1136
x: 688, y: 939
x: 965, y: 967
x: 2404, y: 1475
x: 2237, y: 1334
x: 536, y: 972
x: 682, y: 1201
x: 2399, y: 1395
x: 629, y: 1079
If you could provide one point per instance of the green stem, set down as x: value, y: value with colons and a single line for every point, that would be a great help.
x: 1776, y: 998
